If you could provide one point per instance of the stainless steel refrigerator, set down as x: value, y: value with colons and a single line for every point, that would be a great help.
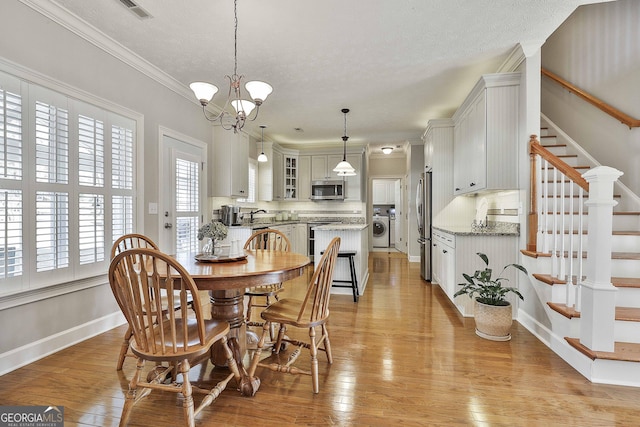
x: 423, y: 212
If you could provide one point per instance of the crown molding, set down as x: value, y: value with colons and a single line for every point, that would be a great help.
x: 91, y: 34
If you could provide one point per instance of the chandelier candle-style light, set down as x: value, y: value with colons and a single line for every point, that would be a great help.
x: 344, y: 168
x: 262, y: 157
x: 258, y: 91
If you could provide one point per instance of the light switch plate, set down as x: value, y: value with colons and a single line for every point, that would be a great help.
x: 153, y: 209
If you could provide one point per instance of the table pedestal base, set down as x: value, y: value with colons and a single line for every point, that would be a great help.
x: 228, y: 305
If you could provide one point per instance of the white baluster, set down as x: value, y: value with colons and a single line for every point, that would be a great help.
x: 581, y: 229
x: 541, y: 240
x: 571, y: 289
x: 545, y: 208
x: 554, y: 253
x: 561, y: 231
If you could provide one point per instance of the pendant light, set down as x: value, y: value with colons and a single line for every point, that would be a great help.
x: 344, y: 168
x: 262, y: 157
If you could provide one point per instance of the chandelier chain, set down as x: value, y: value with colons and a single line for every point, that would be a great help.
x: 235, y: 38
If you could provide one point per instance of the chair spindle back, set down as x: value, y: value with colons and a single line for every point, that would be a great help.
x: 315, y: 306
x: 136, y: 275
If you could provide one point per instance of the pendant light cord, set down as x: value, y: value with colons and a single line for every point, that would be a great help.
x: 235, y: 38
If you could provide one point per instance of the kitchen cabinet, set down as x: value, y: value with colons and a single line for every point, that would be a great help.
x: 291, y: 177
x: 454, y: 255
x: 322, y: 166
x: 383, y: 191
x: 486, y: 136
x: 304, y: 178
x: 229, y: 158
x: 438, y: 139
x: 278, y: 176
x: 354, y: 183
x: 299, y: 238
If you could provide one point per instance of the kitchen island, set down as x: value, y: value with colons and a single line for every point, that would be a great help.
x: 353, y: 237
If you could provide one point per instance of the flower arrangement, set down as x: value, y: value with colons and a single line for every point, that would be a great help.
x: 213, y: 230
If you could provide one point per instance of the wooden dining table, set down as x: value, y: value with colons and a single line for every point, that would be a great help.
x: 226, y: 283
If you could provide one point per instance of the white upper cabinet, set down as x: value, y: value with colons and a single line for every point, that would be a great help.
x: 230, y: 161
x: 291, y: 171
x: 278, y: 176
x: 304, y: 178
x: 383, y: 191
x: 486, y: 136
x: 322, y: 166
x: 353, y: 183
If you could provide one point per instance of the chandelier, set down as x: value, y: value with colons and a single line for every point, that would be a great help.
x: 257, y: 90
x: 344, y: 168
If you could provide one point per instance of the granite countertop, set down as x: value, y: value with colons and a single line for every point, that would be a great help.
x: 341, y: 227
x: 493, y: 229
x: 270, y: 222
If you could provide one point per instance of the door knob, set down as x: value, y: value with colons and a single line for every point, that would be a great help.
x: 168, y: 225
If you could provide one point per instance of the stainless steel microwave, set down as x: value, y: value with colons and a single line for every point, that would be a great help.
x: 328, y: 190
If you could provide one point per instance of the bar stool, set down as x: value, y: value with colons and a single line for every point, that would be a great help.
x: 353, y: 282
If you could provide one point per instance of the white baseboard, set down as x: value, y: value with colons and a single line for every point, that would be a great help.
x: 536, y: 328
x: 16, y: 358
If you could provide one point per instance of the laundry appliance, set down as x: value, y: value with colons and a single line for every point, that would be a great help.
x: 380, y: 228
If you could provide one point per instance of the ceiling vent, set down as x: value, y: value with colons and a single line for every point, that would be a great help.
x: 135, y: 9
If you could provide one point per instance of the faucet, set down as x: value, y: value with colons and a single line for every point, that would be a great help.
x: 255, y: 212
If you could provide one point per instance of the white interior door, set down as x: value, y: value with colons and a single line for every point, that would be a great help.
x: 185, y: 194
x: 398, y: 223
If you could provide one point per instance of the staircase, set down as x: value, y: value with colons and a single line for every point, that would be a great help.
x: 560, y: 258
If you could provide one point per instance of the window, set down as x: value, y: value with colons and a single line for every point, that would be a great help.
x: 187, y: 204
x: 60, y: 209
x: 253, y: 184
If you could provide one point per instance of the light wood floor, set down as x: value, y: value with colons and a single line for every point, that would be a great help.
x: 401, y: 357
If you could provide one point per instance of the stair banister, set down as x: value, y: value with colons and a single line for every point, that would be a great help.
x: 598, y: 295
x: 598, y: 103
x: 535, y: 150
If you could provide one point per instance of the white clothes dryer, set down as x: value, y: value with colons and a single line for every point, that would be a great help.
x: 380, y: 228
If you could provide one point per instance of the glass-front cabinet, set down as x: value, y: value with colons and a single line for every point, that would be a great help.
x: 290, y: 177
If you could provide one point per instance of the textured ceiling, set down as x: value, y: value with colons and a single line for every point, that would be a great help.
x: 396, y: 65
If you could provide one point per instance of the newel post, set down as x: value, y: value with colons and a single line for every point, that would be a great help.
x: 598, y: 295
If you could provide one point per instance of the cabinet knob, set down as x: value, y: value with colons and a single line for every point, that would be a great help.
x: 457, y: 189
x: 473, y: 184
x: 444, y: 251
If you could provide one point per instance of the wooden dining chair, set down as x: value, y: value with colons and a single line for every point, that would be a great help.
x: 269, y: 240
x: 178, y: 339
x: 129, y: 241
x: 310, y: 313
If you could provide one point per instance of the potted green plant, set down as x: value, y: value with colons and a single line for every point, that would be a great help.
x: 492, y: 311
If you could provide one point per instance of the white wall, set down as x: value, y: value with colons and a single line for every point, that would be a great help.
x: 598, y: 50
x: 32, y: 41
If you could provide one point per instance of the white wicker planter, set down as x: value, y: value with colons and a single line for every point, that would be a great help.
x: 493, y: 322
